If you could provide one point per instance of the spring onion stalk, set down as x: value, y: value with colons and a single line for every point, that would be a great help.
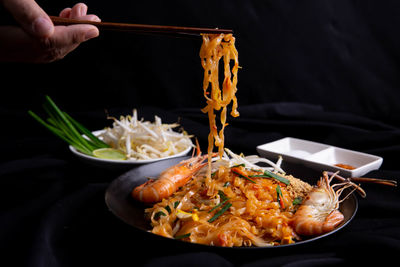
x: 182, y: 236
x: 241, y: 174
x: 220, y: 212
x: 268, y: 174
x: 279, y: 196
x: 68, y: 129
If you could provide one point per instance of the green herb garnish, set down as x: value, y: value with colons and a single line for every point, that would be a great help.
x: 222, y: 195
x: 241, y: 174
x: 268, y: 174
x: 279, y: 196
x: 297, y: 201
x: 224, y: 199
x: 176, y: 203
x: 158, y: 215
x: 220, y: 212
x: 239, y: 165
x: 217, y: 206
x: 226, y: 184
x: 182, y: 236
x: 68, y: 129
x: 168, y: 209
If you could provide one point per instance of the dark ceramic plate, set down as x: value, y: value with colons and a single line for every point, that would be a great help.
x: 120, y: 202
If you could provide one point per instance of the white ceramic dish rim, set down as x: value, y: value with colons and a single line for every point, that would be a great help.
x: 374, y: 164
x: 124, y: 162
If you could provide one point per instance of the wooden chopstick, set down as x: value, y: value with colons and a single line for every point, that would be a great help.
x: 141, y: 28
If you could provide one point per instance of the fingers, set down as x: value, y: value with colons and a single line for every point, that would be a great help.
x: 65, y: 13
x: 65, y: 39
x: 31, y: 17
x: 79, y: 11
x: 16, y: 45
x: 39, y: 40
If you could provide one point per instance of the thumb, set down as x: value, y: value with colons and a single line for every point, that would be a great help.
x: 31, y: 17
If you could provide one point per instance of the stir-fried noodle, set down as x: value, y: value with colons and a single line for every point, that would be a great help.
x: 214, y: 48
x: 239, y: 206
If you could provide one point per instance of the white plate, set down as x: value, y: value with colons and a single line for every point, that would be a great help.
x: 107, y: 163
x: 321, y: 156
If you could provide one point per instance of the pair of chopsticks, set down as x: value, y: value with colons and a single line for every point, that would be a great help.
x: 174, y: 31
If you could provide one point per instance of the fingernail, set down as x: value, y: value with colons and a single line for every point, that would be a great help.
x: 91, y: 34
x: 42, y: 27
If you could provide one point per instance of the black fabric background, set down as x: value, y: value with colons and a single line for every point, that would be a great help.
x: 325, y: 71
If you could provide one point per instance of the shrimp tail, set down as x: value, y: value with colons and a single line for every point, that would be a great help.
x: 332, y: 221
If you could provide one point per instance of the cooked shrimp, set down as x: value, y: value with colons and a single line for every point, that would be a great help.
x: 169, y: 181
x: 319, y: 214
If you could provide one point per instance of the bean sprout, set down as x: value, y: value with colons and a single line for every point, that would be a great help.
x: 142, y: 140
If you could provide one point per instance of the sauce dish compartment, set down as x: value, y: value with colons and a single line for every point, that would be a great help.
x: 321, y: 157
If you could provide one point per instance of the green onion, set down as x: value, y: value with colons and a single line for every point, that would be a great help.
x: 182, y: 236
x: 224, y: 199
x: 176, y: 203
x: 158, y: 215
x: 226, y: 184
x: 222, y: 195
x: 219, y: 205
x: 168, y: 209
x: 297, y: 201
x: 279, y: 196
x: 241, y: 175
x: 88, y: 133
x: 239, y: 165
x: 268, y: 174
x: 220, y: 212
x: 68, y: 129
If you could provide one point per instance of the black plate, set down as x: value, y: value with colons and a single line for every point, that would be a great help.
x: 119, y: 201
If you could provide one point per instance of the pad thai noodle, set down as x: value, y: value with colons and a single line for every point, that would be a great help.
x: 242, y: 205
x: 213, y: 49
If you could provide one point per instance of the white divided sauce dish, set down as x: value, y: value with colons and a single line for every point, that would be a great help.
x: 321, y: 156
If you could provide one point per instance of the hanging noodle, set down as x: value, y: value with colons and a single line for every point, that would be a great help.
x: 214, y: 48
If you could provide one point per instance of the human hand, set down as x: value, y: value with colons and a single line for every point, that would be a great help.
x: 37, y: 39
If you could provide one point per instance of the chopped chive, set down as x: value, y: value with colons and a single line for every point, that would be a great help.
x: 224, y: 199
x: 182, y: 236
x: 176, y: 203
x: 168, y: 208
x: 279, y: 196
x: 242, y: 175
x: 268, y: 174
x: 219, y: 205
x: 222, y: 195
x: 158, y: 215
x: 297, y: 201
x: 239, y: 165
x: 220, y: 212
